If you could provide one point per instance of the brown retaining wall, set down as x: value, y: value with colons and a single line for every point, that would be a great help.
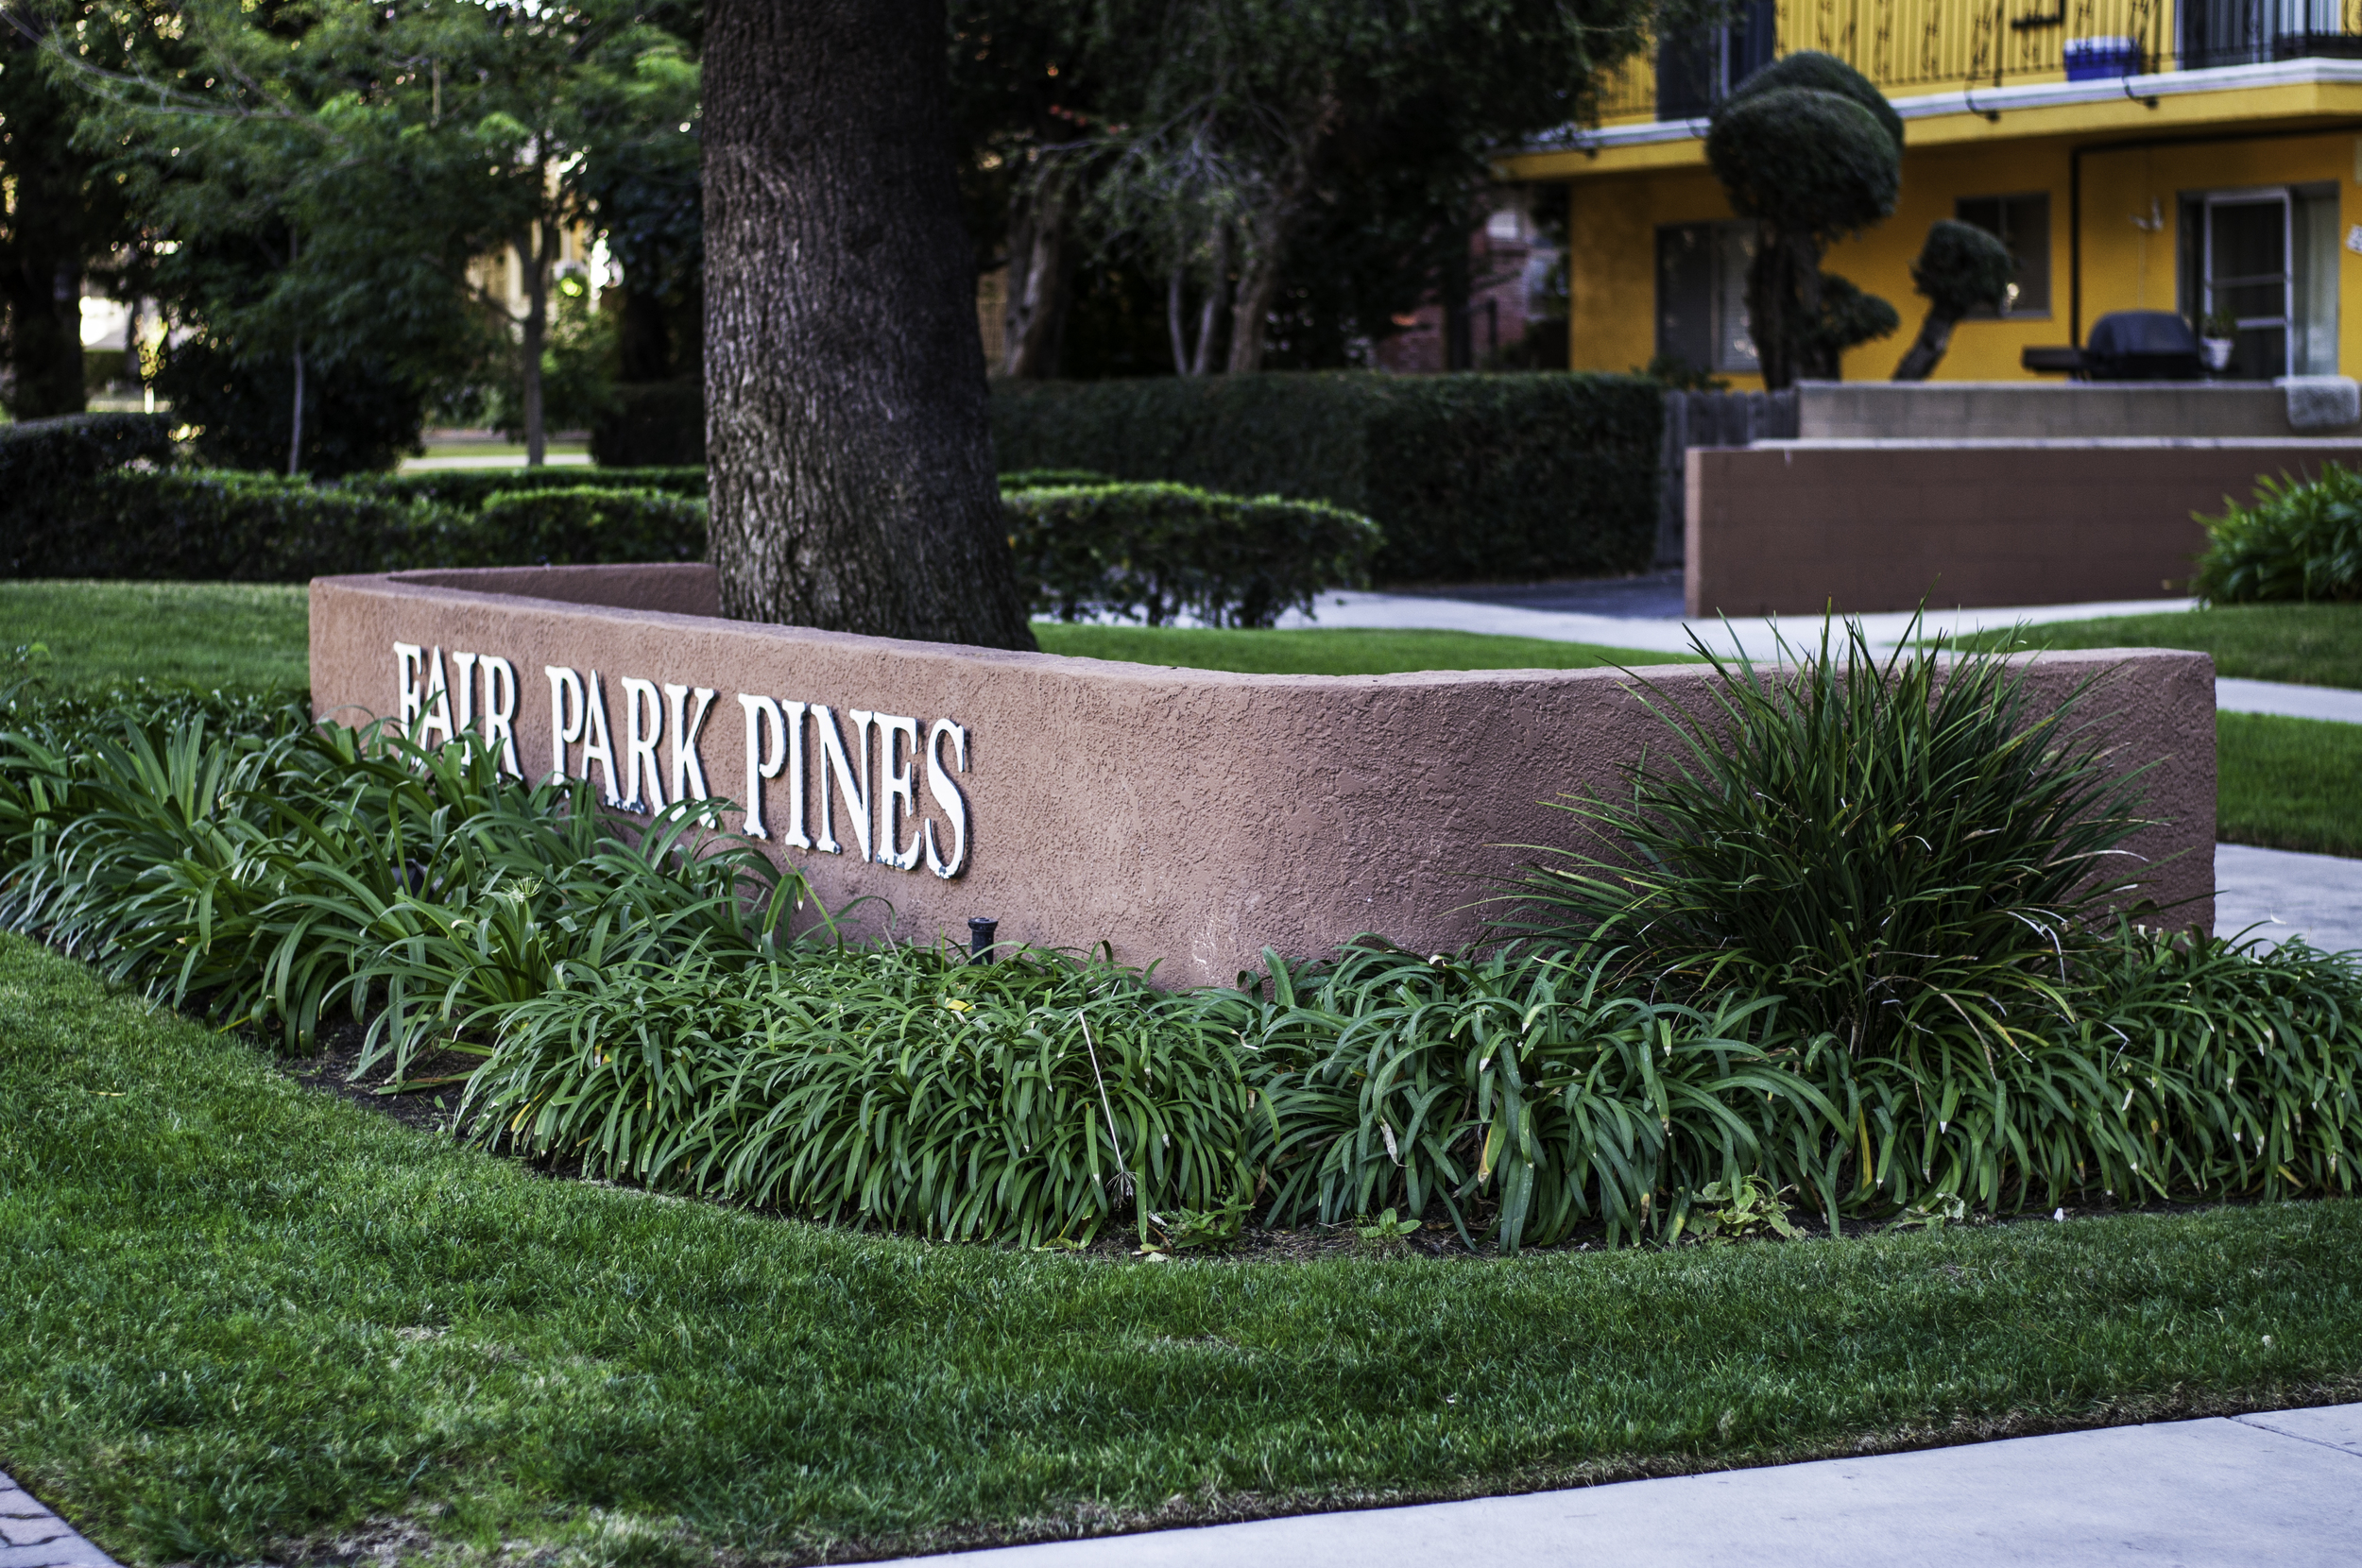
x: 1788, y: 527
x: 1188, y: 817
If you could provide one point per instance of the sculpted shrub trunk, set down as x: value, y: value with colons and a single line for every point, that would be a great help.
x: 851, y: 464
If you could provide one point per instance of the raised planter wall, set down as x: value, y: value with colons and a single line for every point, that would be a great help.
x: 1789, y: 527
x: 1187, y: 818
x: 1965, y: 411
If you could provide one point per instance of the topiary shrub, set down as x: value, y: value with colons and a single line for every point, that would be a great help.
x: 583, y: 525
x: 1811, y: 152
x: 1155, y: 551
x: 1959, y: 269
x: 2298, y: 542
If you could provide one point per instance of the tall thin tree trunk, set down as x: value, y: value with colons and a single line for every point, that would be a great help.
x: 533, y: 255
x: 1174, y: 323
x: 845, y: 434
x: 295, y: 422
x: 1927, y: 351
x: 1034, y: 319
x: 1258, y: 287
x: 1217, y: 296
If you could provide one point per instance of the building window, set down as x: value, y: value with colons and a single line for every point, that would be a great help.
x: 2266, y: 257
x: 1697, y: 71
x: 2022, y: 223
x: 1702, y: 295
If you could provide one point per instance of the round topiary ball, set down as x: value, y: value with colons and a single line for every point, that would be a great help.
x: 1810, y: 68
x: 1808, y: 161
x: 1962, y: 267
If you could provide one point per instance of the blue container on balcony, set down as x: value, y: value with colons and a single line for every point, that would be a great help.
x: 2095, y: 59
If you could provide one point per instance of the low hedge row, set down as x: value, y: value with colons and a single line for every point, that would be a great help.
x: 2295, y: 543
x: 1155, y: 551
x: 1471, y: 477
x: 1150, y: 551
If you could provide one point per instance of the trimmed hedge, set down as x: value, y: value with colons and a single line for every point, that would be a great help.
x: 1153, y: 551
x: 41, y: 460
x: 468, y: 489
x: 225, y: 525
x: 1471, y: 477
x: 588, y: 524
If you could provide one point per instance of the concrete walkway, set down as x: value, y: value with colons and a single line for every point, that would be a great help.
x: 2282, y: 894
x: 32, y: 1536
x: 2282, y: 1489
x: 1758, y: 636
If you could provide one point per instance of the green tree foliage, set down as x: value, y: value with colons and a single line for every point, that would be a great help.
x: 324, y: 174
x: 1959, y: 269
x: 1279, y: 167
x: 1809, y: 165
x: 66, y: 218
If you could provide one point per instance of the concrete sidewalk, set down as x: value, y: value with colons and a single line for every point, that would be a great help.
x: 2283, y: 1488
x: 1757, y: 637
x: 2275, y: 894
x: 32, y: 1536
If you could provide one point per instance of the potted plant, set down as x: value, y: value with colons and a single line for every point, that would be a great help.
x: 2215, y: 336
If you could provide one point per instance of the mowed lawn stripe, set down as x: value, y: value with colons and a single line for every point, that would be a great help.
x: 243, y: 1313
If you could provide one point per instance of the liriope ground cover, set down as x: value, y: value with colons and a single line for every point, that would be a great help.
x: 1956, y: 1023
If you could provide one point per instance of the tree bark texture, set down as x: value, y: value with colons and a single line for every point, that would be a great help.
x: 536, y: 248
x: 1783, y: 305
x: 1039, y: 281
x: 851, y: 464
x: 1928, y: 349
x: 1258, y: 288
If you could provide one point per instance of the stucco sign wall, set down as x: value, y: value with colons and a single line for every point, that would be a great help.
x: 1186, y: 818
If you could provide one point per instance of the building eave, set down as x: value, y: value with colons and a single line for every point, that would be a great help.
x: 2275, y: 91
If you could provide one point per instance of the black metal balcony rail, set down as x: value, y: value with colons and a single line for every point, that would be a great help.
x: 1928, y: 45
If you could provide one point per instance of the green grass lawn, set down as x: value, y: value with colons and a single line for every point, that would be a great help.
x: 2309, y: 644
x: 245, y: 1318
x: 92, y: 636
x: 2289, y: 783
x: 2282, y: 783
x: 1340, y: 651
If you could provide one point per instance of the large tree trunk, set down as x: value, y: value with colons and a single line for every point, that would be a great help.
x: 40, y: 260
x: 1783, y: 305
x: 851, y: 463
x: 1040, y: 276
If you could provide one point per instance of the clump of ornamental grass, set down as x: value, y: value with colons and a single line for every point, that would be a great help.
x: 1525, y: 1085
x: 274, y: 874
x: 1035, y: 1100
x: 1906, y: 850
x: 2295, y: 542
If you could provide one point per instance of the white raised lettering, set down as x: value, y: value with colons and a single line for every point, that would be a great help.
x: 565, y: 697
x: 795, y: 836
x: 436, y: 713
x: 500, y: 714
x: 462, y: 691
x: 642, y: 729
x: 761, y: 761
x: 947, y: 795
x: 597, y: 747
x: 689, y: 769
x: 833, y: 761
x: 406, y: 659
x: 896, y: 795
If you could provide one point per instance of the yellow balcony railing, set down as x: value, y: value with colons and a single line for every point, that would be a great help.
x: 1928, y: 45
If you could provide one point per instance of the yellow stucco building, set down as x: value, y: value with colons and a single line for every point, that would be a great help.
x: 2203, y: 156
